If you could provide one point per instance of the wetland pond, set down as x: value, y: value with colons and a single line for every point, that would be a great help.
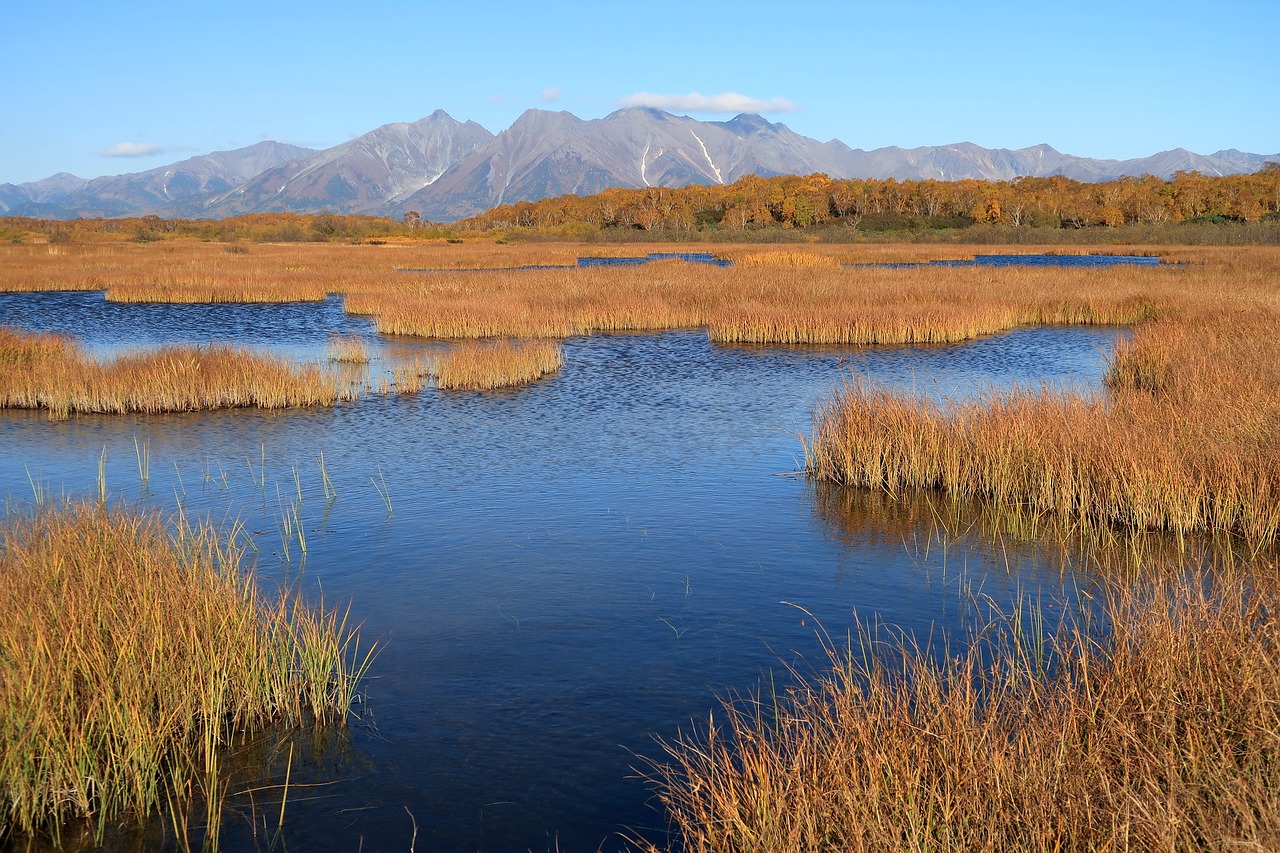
x: 566, y: 569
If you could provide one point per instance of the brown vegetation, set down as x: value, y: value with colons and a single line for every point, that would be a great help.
x: 482, y: 366
x: 1160, y: 733
x: 1187, y: 443
x: 50, y: 372
x: 818, y: 302
x: 132, y: 656
x: 780, y: 208
x: 347, y: 349
x: 1188, y: 440
x: 802, y: 202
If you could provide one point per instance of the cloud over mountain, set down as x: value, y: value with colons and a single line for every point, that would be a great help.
x: 131, y: 149
x: 730, y: 103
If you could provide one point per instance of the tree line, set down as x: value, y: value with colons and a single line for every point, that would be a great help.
x: 813, y: 201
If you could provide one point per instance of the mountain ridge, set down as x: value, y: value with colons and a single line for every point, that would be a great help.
x: 444, y: 169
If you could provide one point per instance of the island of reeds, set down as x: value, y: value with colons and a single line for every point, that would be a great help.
x: 52, y: 373
x: 500, y: 364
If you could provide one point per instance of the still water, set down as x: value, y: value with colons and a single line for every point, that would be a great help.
x: 559, y: 573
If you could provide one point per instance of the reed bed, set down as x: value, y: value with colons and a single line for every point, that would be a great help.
x: 819, y: 305
x: 485, y: 366
x: 178, y: 271
x: 19, y: 348
x: 133, y: 655
x: 1154, y: 725
x: 1187, y: 441
x: 347, y: 349
x: 63, y: 381
x: 798, y: 295
x: 783, y: 258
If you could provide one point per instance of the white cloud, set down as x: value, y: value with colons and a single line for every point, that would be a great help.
x: 550, y: 94
x: 729, y: 102
x: 301, y: 143
x: 131, y: 149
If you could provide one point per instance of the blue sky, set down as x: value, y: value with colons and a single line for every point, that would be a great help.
x: 112, y: 88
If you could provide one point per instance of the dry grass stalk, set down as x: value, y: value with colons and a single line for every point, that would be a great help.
x: 763, y: 304
x: 132, y: 655
x: 1163, y: 734
x: 63, y: 381
x: 483, y: 366
x: 347, y: 349
x: 408, y: 378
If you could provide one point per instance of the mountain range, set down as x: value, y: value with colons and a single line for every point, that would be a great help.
x: 447, y: 170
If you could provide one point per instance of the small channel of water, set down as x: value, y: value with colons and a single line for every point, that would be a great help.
x: 568, y: 569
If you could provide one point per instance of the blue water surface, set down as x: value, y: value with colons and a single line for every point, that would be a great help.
x: 556, y: 574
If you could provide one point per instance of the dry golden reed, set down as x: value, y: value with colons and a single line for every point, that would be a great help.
x: 347, y: 349
x: 1188, y: 440
x: 800, y: 294
x: 62, y: 380
x: 132, y: 655
x: 483, y: 366
x: 785, y: 258
x: 20, y: 348
x: 1161, y: 734
x: 821, y: 304
x: 408, y: 378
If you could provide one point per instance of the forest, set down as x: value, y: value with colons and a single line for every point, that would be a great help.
x: 814, y: 201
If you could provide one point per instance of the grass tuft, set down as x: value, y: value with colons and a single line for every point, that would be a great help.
x: 1187, y: 441
x: 131, y: 655
x: 347, y: 349
x: 503, y: 364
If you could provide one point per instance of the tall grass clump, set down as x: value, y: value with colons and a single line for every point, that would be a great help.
x: 483, y: 366
x: 347, y: 349
x: 407, y: 378
x: 1154, y: 725
x: 133, y: 655
x: 1187, y: 440
x: 19, y: 349
x: 783, y: 258
x: 63, y: 380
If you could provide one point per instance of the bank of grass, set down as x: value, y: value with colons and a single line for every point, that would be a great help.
x: 764, y: 304
x: 794, y: 295
x: 133, y: 654
x: 1187, y: 440
x: 784, y: 258
x: 50, y: 372
x: 488, y: 365
x: 1153, y: 726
